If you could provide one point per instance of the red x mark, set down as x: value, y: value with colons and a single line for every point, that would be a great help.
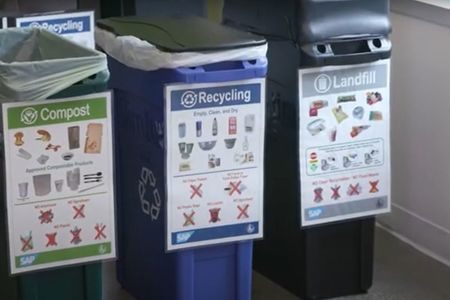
x: 76, y: 239
x: 214, y: 212
x: 243, y: 212
x: 318, y: 194
x: 51, y: 237
x: 100, y: 228
x: 196, y: 190
x: 354, y: 190
x: 79, y: 212
x: 27, y: 243
x: 234, y: 188
x: 46, y: 217
x: 335, y: 191
x: 374, y: 186
x: 189, y: 219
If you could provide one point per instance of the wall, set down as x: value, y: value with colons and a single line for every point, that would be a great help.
x: 421, y: 135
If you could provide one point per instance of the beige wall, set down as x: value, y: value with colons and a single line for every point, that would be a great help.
x: 421, y: 135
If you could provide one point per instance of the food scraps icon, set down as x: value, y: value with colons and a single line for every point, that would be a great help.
x: 55, y: 148
x: 46, y: 217
x: 44, y: 135
x: 19, y: 139
x: 214, y: 214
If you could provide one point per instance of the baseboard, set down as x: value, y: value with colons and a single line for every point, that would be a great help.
x: 427, y: 237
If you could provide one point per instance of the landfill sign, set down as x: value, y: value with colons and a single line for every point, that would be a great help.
x: 344, y: 142
x: 59, y: 182
x: 214, y: 160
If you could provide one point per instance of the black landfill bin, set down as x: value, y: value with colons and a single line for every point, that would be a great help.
x: 329, y: 260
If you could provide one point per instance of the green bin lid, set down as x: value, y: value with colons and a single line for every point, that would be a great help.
x: 181, y: 33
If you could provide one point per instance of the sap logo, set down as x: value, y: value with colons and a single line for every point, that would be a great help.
x: 147, y: 180
x: 251, y: 228
x: 314, y: 213
x: 27, y: 260
x: 183, y: 237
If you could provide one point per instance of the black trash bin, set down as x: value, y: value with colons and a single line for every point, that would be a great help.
x: 327, y: 260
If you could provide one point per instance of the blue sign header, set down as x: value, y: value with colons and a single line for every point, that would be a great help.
x: 216, y: 96
x: 62, y: 25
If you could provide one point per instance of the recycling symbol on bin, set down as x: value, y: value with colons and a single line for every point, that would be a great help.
x: 29, y: 115
x: 189, y: 99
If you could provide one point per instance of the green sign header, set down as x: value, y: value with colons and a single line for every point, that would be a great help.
x: 56, y: 113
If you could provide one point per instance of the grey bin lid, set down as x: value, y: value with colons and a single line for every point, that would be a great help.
x: 181, y: 33
x: 325, y: 20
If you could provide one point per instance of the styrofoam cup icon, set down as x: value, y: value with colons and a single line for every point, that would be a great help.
x: 23, y: 189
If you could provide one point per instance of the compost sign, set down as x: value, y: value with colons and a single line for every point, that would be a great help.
x: 344, y: 149
x: 59, y: 182
x: 214, y: 162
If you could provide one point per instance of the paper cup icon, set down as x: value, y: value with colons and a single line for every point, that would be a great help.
x: 332, y: 134
x: 181, y: 130
x: 23, y: 189
x: 59, y: 185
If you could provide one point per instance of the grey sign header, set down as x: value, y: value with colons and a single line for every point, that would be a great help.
x: 344, y: 80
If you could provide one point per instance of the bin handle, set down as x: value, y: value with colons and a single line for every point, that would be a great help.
x: 369, y: 48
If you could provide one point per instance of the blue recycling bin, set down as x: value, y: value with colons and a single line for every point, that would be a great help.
x: 144, y: 268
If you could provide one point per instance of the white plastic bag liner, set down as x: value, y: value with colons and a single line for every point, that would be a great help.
x: 35, y: 64
x: 136, y: 53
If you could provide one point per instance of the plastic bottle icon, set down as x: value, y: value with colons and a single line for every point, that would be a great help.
x: 245, y: 144
x: 181, y: 130
x: 198, y: 126
x: 214, y: 127
x: 232, y: 125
